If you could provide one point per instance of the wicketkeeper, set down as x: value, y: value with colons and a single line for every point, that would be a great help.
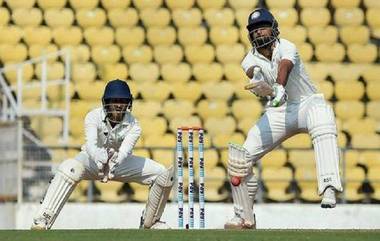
x: 111, y: 133
x: 277, y: 73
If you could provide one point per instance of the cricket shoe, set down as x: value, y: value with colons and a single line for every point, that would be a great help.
x: 39, y: 224
x: 160, y: 225
x: 329, y: 199
x: 239, y: 223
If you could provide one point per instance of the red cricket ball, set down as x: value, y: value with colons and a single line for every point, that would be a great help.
x: 235, y: 181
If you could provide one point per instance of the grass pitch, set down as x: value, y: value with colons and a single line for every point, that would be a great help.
x: 189, y: 235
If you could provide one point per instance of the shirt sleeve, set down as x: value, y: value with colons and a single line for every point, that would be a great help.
x: 288, y: 51
x: 130, y: 140
x: 91, y: 137
x: 247, y: 62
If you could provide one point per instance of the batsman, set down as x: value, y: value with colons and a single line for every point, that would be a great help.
x: 111, y: 133
x: 277, y: 74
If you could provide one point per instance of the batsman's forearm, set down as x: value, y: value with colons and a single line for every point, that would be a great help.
x: 284, y: 69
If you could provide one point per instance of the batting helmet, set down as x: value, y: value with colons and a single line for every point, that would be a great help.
x: 261, y: 18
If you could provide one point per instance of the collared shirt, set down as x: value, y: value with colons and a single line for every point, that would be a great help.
x: 99, y: 135
x: 299, y: 84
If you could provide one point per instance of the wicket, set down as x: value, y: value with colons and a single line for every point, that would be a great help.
x: 180, y: 188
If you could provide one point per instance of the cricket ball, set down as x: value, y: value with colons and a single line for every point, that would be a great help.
x: 235, y: 181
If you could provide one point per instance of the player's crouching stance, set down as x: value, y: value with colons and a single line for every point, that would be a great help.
x: 111, y: 133
x: 277, y: 73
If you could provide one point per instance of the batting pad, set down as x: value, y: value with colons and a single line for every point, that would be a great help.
x: 322, y: 129
x: 158, y: 196
x: 243, y: 203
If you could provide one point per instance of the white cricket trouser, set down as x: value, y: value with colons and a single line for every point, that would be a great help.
x: 133, y: 169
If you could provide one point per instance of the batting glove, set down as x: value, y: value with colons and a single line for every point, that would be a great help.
x: 280, y: 96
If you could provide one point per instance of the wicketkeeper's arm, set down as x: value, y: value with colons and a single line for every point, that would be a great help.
x: 129, y: 141
x: 91, y: 136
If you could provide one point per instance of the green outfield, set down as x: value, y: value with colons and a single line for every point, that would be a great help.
x: 194, y: 235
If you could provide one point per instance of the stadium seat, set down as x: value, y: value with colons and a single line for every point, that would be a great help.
x: 348, y: 16
x: 208, y: 72
x: 165, y: 157
x: 215, y: 179
x: 349, y: 90
x: 373, y: 109
x: 330, y: 53
x: 211, y: 108
x: 354, y: 178
x: 374, y: 179
x: 47, y: 126
x: 360, y: 126
x: 181, y: 91
x: 317, y: 71
x: 277, y: 180
x: 36, y: 50
x: 224, y: 35
x: 123, y: 17
x: 27, y: 74
x: 161, y: 35
x: 175, y: 4
x: 234, y: 73
x: 192, y: 36
x: 126, y: 36
x: 146, y: 109
x: 216, y: 126
x: 245, y: 124
x: 4, y: 17
x: 362, y: 53
x: 105, y: 54
x: 305, y: 51
x: 113, y: 71
x: 109, y: 192
x: 176, y: 73
x: 280, y: 4
x: 285, y: 16
x: 144, y: 72
x: 312, y: 3
x: 187, y: 18
x: 55, y: 18
x: 306, y: 178
x: 137, y: 54
x: 83, y: 72
x: 243, y: 4
x: 10, y: 34
x: 274, y: 159
x: 323, y: 35
x: 188, y: 121
x: 16, y: 4
x: 296, y: 34
x: 345, y: 4
x: 371, y: 3
x: 165, y: 140
x: 298, y: 141
x: 155, y: 17
x: 349, y: 109
x: 372, y: 17
x: 370, y: 141
x: 325, y: 87
x: 371, y: 72
x: 90, y: 91
x: 177, y: 108
x: 230, y: 53
x: 246, y: 109
x: 152, y: 126
x: 13, y: 53
x: 80, y: 192
x: 115, y: 4
x: 301, y: 158
x: 144, y: 4
x: 351, y: 158
x: 99, y: 36
x: 370, y: 158
x: 218, y: 91
x: 168, y: 54
x: 67, y: 36
x: 354, y: 34
x: 211, y: 4
x: 241, y: 16
x: 24, y: 17
x: 222, y: 140
x: 200, y: 54
x: 91, y: 17
x: 373, y: 90
x: 83, y: 4
x: 219, y: 17
x: 308, y: 18
x: 344, y: 72
x: 140, y: 192
x: 46, y: 4
x: 159, y: 91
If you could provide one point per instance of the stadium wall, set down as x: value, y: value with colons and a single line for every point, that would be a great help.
x: 276, y: 216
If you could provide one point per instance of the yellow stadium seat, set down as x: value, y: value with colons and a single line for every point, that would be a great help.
x: 371, y: 4
x: 211, y: 4
x: 177, y: 108
x: 351, y: 158
x: 233, y: 72
x: 175, y: 4
x: 224, y: 35
x: 354, y: 178
x: 152, y: 126
x: 144, y: 4
x: 308, y: 17
x: 295, y: 34
x: 146, y: 109
x: 77, y: 126
x: 215, y: 179
x: 326, y: 88
x: 312, y: 3
x: 371, y: 72
x: 177, y: 122
x: 27, y: 74
x: 230, y: 53
x: 305, y: 51
x: 55, y: 18
x: 373, y: 109
x: 36, y: 50
x: 137, y: 54
x: 10, y: 34
x: 15, y: 4
x: 360, y: 126
x: 79, y: 53
x: 344, y: 72
x: 79, y: 109
x: 155, y: 17
x: 208, y: 72
x: 83, y: 72
x: 216, y: 126
x: 109, y: 192
x: 277, y: 180
x: 274, y: 159
x: 330, y: 53
x: 27, y: 17
x: 67, y: 36
x: 4, y: 16
x: 118, y: 4
x: 192, y: 36
x: 374, y: 179
x: 285, y: 16
x: 372, y: 16
x: 47, y: 4
x: 301, y: 159
x: 245, y: 124
x: 80, y: 192
x: 354, y: 34
x: 168, y: 54
x: 144, y: 72
x: 222, y: 140
x: 349, y: 90
x: 325, y: 35
x: 140, y: 192
x: 47, y: 126
x: 371, y: 158
x: 13, y: 53
x: 241, y: 16
x: 200, y: 54
x: 349, y: 109
x: 123, y: 17
x: 218, y: 91
x: 317, y: 71
x: 219, y: 17
x: 181, y: 91
x: 280, y: 4
x: 175, y: 73
x: 37, y: 35
x: 247, y: 109
x: 298, y: 141
x: 55, y: 71
x: 161, y: 35
x: 159, y: 91
x: 91, y: 17
x: 211, y: 108
x: 90, y: 91
x: 345, y: 4
x: 371, y: 141
x: 187, y: 18
x: 99, y: 36
x: 373, y: 90
x: 129, y: 36
x: 165, y: 140
x: 307, y: 182
x: 348, y: 16
x: 113, y: 71
x: 83, y: 4
x: 362, y: 53
x: 165, y: 157
x: 211, y: 157
x: 243, y: 4
x: 105, y: 54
